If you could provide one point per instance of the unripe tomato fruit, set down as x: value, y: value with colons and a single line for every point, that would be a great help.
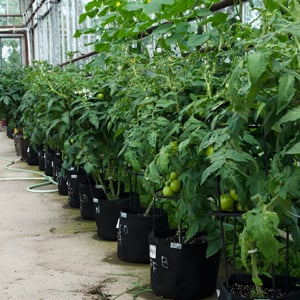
x: 233, y: 194
x: 167, y: 192
x: 209, y: 150
x: 175, y: 185
x: 239, y: 207
x: 173, y: 176
x: 100, y: 96
x: 226, y: 202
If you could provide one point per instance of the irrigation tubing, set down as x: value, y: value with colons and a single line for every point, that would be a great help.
x: 34, y: 187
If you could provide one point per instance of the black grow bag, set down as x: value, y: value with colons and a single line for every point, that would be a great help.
x: 32, y: 156
x: 73, y: 181
x: 107, y: 213
x: 133, y: 233
x: 18, y: 139
x: 60, y: 175
x: 41, y: 159
x: 10, y: 132
x: 286, y: 287
x: 49, y: 163
x: 21, y: 145
x: 62, y: 184
x: 87, y: 193
x: 182, y: 271
x: 57, y: 164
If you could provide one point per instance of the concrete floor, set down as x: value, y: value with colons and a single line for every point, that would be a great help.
x: 47, y: 251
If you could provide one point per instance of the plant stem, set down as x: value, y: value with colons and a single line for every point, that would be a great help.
x: 255, y: 273
x: 56, y: 92
x: 147, y: 212
x: 112, y: 190
x: 103, y: 186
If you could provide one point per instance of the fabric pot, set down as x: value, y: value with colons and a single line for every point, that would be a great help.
x: 61, y: 177
x: 73, y: 181
x: 32, y: 156
x: 87, y: 192
x: 49, y: 163
x: 57, y: 163
x: 182, y: 271
x: 133, y: 233
x: 18, y: 143
x: 286, y: 285
x: 9, y: 132
x: 24, y: 147
x: 21, y: 146
x: 41, y: 159
x: 107, y: 213
x: 62, y: 184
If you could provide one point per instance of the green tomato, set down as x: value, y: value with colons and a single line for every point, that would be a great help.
x: 173, y: 146
x: 209, y: 151
x: 233, y: 194
x: 239, y: 207
x: 226, y: 202
x: 100, y: 96
x: 167, y: 192
x: 173, y: 176
x: 168, y: 182
x: 175, y: 185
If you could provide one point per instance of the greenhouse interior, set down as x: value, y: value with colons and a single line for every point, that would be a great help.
x: 150, y: 149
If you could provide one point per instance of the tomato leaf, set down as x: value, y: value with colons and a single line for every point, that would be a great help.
x: 257, y: 65
x: 294, y: 150
x: 152, y: 173
x: 214, y: 167
x: 261, y: 226
x: 286, y: 91
x: 197, y: 40
x: 155, y: 6
x: 291, y: 116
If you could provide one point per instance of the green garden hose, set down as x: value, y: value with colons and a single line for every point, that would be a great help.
x: 32, y: 188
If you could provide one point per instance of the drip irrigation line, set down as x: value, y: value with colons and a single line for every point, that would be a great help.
x: 32, y: 188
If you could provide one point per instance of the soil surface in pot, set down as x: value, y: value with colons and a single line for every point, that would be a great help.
x: 197, y: 239
x: 246, y: 291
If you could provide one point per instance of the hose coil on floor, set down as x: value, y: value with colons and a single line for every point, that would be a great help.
x: 32, y: 188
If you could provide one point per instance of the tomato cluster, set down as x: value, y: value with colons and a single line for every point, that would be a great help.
x: 172, y: 185
x: 229, y: 201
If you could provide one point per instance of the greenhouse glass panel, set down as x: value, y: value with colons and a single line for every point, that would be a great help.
x: 251, y: 16
x: 10, y: 11
x: 10, y: 52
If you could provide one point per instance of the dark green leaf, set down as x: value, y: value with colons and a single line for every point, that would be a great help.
x: 66, y: 117
x: 212, y: 169
x: 152, y: 173
x: 291, y: 116
x: 155, y: 6
x: 82, y: 18
x: 286, y: 91
x: 197, y: 40
x: 294, y: 150
x: 257, y: 65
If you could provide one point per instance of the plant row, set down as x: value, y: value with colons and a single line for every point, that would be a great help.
x: 215, y: 130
